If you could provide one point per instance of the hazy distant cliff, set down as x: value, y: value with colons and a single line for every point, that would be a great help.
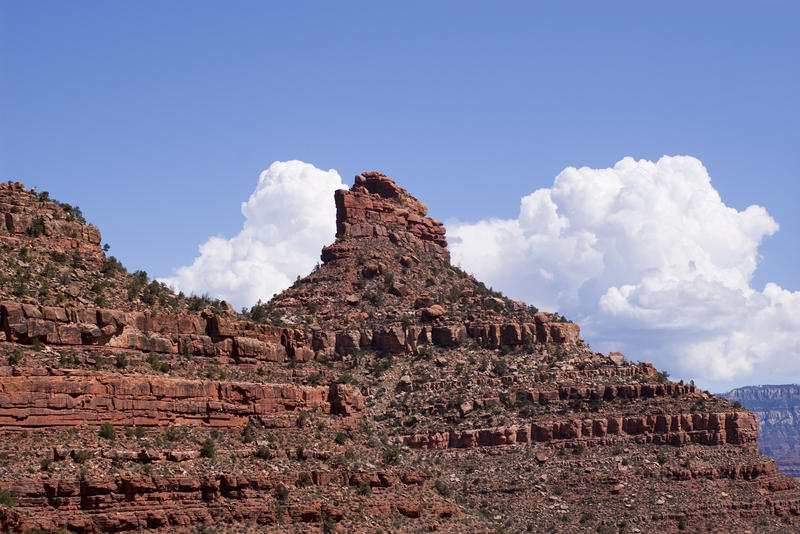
x: 778, y: 412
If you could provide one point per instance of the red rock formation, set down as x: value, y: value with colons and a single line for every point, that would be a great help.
x: 376, y: 207
x: 24, y: 213
x: 393, y: 391
x: 739, y: 428
x: 157, y: 502
x: 72, y: 398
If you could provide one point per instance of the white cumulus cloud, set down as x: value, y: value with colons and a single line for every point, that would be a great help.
x: 650, y: 260
x: 289, y: 217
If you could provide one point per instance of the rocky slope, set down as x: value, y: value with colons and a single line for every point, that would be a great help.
x: 778, y: 411
x: 387, y: 391
x: 51, y: 256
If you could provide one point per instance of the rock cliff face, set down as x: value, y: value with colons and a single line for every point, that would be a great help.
x: 778, y: 411
x: 376, y: 207
x: 386, y: 391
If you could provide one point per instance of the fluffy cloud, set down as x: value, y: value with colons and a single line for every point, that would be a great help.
x: 650, y: 260
x: 288, y: 218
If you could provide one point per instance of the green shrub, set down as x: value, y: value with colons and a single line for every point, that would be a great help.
x: 382, y: 365
x: 121, y: 361
x: 347, y: 378
x: 175, y: 433
x: 364, y: 488
x: 15, y: 357
x: 79, y: 456
x: 391, y: 454
x: 596, y: 402
x: 302, y: 418
x: 208, y: 449
x: 36, y: 228
x: 263, y: 452
x: 155, y: 362
x: 328, y: 523
x: 314, y: 379
x: 247, y: 433
x: 6, y: 498
x: 340, y: 438
x: 107, y: 431
x: 303, y: 480
x: 111, y: 266
x: 442, y: 488
x: 281, y: 492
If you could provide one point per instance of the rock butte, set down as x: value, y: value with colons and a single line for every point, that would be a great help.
x: 387, y: 391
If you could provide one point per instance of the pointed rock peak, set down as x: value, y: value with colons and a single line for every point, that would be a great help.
x: 387, y: 283
x: 377, y: 208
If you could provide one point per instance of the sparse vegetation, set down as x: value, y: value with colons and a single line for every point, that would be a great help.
x: 303, y: 480
x: 281, y: 492
x: 208, y: 449
x: 7, y: 498
x: 442, y: 488
x: 107, y: 431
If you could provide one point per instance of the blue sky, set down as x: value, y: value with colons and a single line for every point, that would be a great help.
x: 157, y: 117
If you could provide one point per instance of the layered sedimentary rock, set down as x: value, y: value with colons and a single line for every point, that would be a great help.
x: 72, y: 398
x: 215, y: 336
x: 778, y: 411
x: 386, y: 391
x: 676, y: 429
x: 376, y: 207
x: 199, y: 335
x: 155, y: 502
x: 24, y: 213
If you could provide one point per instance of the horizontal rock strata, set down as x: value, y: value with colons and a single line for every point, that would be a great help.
x: 738, y: 428
x: 80, y: 398
x: 215, y: 336
x: 157, y: 502
x: 23, y: 213
x: 376, y: 207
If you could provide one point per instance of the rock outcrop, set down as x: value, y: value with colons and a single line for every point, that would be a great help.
x: 376, y: 207
x: 65, y: 398
x: 60, y: 226
x: 53, y: 257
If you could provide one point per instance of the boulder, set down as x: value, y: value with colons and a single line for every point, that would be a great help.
x: 616, y: 358
x: 432, y: 313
